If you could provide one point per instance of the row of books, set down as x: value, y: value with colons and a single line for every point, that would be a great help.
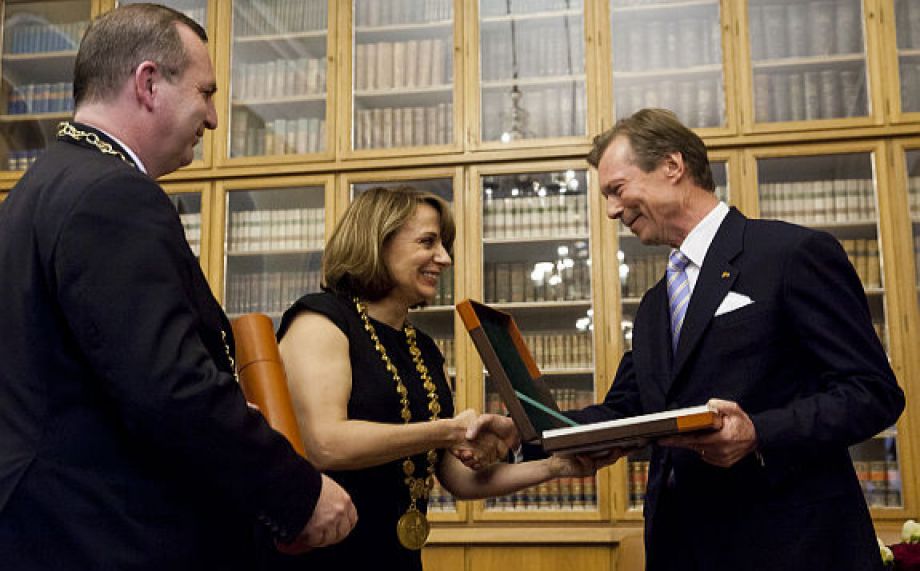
x: 907, y: 22
x: 698, y: 103
x: 618, y: 4
x: 814, y: 28
x: 397, y: 65
x: 561, y: 349
x: 22, y: 38
x: 548, y: 47
x: 533, y: 112
x: 446, y: 347
x: 520, y: 282
x: 251, y: 136
x: 910, y: 77
x: 387, y: 127
x: 40, y: 98
x: 279, y: 78
x: 373, y: 13
x: 880, y: 482
x: 795, y: 96
x: 277, y: 229
x: 643, y: 45
x: 917, y: 256
x: 191, y: 223
x: 642, y: 272
x: 567, y: 399
x: 21, y: 160
x: 913, y: 195
x: 494, y: 9
x: 863, y: 254
x: 268, y: 292
x: 268, y: 17
x: 440, y: 500
x: 561, y: 494
x: 637, y: 483
x: 811, y: 201
x: 535, y: 216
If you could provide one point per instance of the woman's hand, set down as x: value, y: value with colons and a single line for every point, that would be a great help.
x: 486, y: 439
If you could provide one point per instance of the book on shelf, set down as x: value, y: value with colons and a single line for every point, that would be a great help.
x: 533, y: 408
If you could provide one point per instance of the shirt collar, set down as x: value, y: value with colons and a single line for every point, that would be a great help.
x: 697, y: 242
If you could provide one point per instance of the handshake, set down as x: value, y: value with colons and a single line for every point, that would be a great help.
x: 483, y: 439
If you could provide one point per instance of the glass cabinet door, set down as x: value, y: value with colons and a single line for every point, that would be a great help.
x: 536, y: 265
x: 436, y: 320
x: 808, y: 60
x: 273, y: 247
x: 188, y: 205
x: 837, y: 193
x: 278, y: 78
x: 641, y: 267
x: 669, y: 54
x: 402, y: 73
x: 532, y: 70
x: 40, y: 41
x: 912, y: 158
x: 907, y: 22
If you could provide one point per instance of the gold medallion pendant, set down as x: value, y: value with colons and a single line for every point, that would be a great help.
x: 412, y: 529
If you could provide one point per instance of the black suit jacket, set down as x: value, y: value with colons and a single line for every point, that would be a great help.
x: 126, y: 443
x: 804, y: 361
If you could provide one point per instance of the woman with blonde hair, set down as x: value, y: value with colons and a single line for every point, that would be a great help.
x: 371, y: 392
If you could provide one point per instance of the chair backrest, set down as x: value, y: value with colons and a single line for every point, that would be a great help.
x: 262, y: 375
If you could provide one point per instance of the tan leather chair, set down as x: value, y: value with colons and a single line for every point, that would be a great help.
x: 262, y: 375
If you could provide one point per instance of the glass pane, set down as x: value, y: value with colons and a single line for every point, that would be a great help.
x: 437, y: 319
x: 188, y: 205
x: 278, y: 83
x: 837, y: 193
x: 641, y: 267
x: 808, y: 59
x: 274, y: 246
x: 537, y: 266
x: 195, y: 9
x: 532, y: 65
x: 907, y: 21
x: 668, y: 54
x: 913, y: 193
x: 403, y: 73
x: 40, y: 41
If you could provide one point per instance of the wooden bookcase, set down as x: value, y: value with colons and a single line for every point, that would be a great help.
x: 498, y: 98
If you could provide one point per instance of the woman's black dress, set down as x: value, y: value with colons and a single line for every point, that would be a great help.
x: 379, y: 493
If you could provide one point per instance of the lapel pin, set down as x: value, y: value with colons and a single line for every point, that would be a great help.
x: 725, y: 275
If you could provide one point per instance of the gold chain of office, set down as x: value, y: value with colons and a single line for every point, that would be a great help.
x: 412, y: 528
x: 66, y: 129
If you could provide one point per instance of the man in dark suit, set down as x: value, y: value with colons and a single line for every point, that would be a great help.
x: 126, y: 442
x: 766, y: 321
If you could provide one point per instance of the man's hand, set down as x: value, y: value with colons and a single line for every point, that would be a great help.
x: 333, y: 518
x: 489, y: 437
x: 725, y: 447
x: 586, y: 464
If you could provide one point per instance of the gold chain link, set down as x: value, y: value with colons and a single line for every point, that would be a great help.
x: 419, y: 488
x: 66, y: 129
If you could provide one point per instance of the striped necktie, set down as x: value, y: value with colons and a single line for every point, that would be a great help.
x: 678, y: 293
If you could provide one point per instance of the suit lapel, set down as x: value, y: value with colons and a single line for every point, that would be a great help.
x: 652, y: 338
x: 715, y: 280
